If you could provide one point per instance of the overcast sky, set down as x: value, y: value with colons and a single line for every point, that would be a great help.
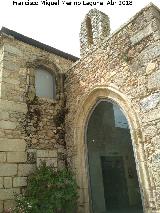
x: 59, y: 26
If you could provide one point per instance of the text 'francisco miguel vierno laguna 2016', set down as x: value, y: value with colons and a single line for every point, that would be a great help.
x: 74, y: 3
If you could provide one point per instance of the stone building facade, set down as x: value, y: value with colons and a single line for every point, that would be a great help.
x: 32, y: 128
x: 121, y: 68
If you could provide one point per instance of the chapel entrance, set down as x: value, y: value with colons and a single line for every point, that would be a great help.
x: 114, y: 186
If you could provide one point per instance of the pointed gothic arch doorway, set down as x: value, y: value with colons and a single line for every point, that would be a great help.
x: 114, y: 186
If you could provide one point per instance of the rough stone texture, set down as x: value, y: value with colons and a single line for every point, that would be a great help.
x: 7, y: 182
x: 1, y: 182
x: 25, y: 169
x: 154, y: 80
x: 12, y: 145
x: 46, y: 153
x: 2, y: 157
x: 94, y: 29
x: 28, y: 123
x: 124, y: 68
x: 48, y: 161
x: 16, y: 157
x: 142, y: 34
x: 150, y: 102
x: 1, y: 206
x: 9, y: 204
x: 19, y: 181
x: 8, y: 169
x: 7, y: 194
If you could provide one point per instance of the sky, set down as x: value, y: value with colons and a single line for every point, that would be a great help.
x: 59, y: 25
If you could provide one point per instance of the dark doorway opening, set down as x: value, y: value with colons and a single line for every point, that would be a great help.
x: 114, y: 183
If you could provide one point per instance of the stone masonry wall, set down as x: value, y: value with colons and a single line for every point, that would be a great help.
x: 128, y: 61
x: 31, y: 128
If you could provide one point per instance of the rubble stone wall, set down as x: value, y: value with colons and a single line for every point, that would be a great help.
x: 126, y: 69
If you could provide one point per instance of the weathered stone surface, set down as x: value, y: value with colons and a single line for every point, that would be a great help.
x: 156, y: 159
x: 94, y: 29
x: 11, y: 49
x: 1, y: 182
x: 8, y: 169
x: 4, y: 115
x: 25, y: 169
x: 46, y: 153
x: 154, y: 80
x: 150, y: 67
x: 125, y: 69
x: 150, y: 131
x: 150, y: 102
x: 151, y: 116
x: 7, y: 182
x: 48, y: 161
x: 2, y: 157
x: 151, y: 52
x: 1, y: 206
x: 19, y: 181
x: 156, y: 142
x: 142, y: 34
x: 6, y: 194
x: 9, y: 204
x: 16, y: 157
x: 12, y: 145
x: 7, y: 125
x: 12, y: 106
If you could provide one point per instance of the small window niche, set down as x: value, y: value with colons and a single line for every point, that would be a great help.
x: 89, y: 31
x: 45, y: 84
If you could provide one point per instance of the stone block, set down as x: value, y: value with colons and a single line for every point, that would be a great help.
x: 154, y: 80
x: 151, y: 116
x: 12, y: 144
x: 149, y: 53
x: 7, y: 182
x: 150, y: 102
x: 2, y: 157
x: 16, y: 157
x: 13, y: 50
x: 10, y: 65
x: 142, y: 34
x: 4, y: 115
x: 13, y: 106
x: 46, y: 153
x: 150, y: 67
x: 48, y: 161
x: 156, y: 142
x: 150, y: 131
x: 25, y: 169
x: 7, y: 194
x: 8, y: 169
x: 1, y: 206
x: 19, y: 181
x: 7, y: 125
x: 1, y: 182
x: 9, y: 204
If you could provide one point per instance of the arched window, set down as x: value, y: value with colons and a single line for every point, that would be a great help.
x: 45, y: 84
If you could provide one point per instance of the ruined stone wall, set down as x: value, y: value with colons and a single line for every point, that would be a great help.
x: 128, y: 63
x: 31, y: 128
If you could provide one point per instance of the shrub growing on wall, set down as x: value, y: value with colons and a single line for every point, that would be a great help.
x: 49, y: 191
